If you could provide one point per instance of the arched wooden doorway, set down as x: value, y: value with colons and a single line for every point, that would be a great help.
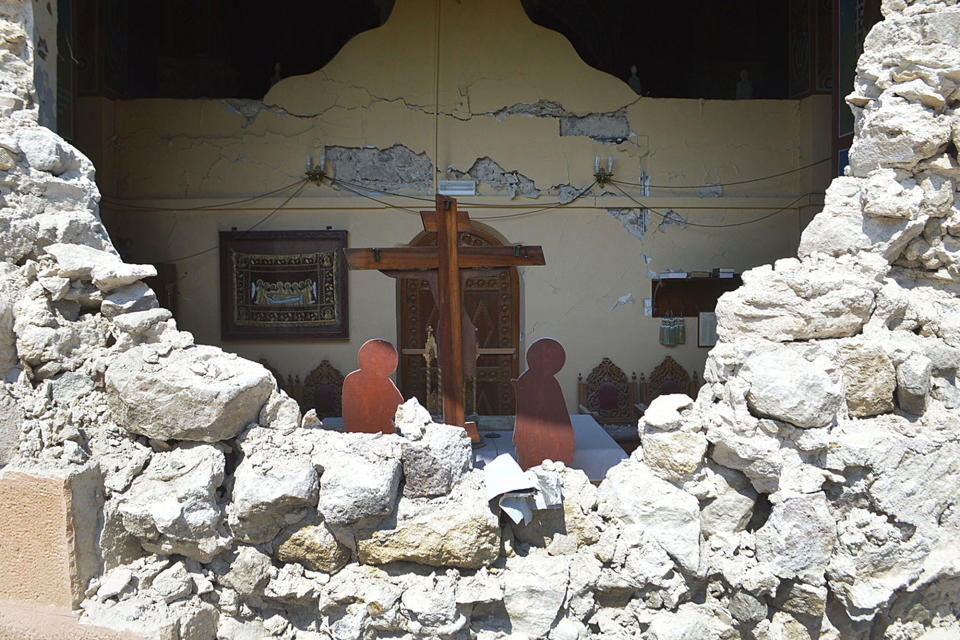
x: 492, y: 303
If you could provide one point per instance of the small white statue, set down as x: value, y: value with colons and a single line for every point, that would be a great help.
x: 744, y: 87
x: 634, y: 80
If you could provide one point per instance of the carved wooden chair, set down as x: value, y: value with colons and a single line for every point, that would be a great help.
x: 668, y: 377
x: 608, y: 395
x: 320, y: 390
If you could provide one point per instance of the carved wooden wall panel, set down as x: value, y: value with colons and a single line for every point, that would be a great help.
x: 491, y: 301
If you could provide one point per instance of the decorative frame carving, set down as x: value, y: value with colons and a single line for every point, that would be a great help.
x: 669, y: 370
x: 283, y: 285
x: 324, y: 374
x: 305, y: 392
x: 588, y: 393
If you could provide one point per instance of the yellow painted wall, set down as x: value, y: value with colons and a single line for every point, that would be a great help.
x: 379, y: 91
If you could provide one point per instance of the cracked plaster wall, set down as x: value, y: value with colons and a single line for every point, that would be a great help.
x: 513, y: 96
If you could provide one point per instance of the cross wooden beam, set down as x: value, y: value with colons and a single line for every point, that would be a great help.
x: 448, y: 257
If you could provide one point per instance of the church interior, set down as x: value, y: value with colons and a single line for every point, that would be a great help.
x: 654, y: 152
x: 479, y: 320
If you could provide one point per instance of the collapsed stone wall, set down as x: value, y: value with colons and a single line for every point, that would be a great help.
x: 811, y: 491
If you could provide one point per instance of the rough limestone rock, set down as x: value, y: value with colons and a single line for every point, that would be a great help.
x: 663, y: 414
x: 11, y: 420
x: 128, y: 299
x: 270, y: 492
x: 190, y: 394
x: 913, y: 383
x: 360, y: 476
x: 896, y: 133
x: 802, y: 300
x: 577, y: 520
x: 152, y: 619
x: 431, y: 607
x: 458, y: 530
x: 172, y: 507
x: 534, y: 588
x: 786, y: 386
x: 843, y: 227
x: 314, y: 547
x: 248, y: 572
x: 676, y: 454
x: 280, y: 412
x: 731, y: 504
x: 883, y: 195
x: 632, y: 494
x: 435, y: 456
x: 692, y: 621
x: 104, y: 268
x: 869, y: 379
x: 799, y: 536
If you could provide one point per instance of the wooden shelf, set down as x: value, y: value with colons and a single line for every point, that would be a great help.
x: 687, y: 297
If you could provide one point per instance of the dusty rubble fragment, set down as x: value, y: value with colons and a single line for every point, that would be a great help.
x: 810, y: 491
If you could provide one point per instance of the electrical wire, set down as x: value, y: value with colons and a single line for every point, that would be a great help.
x: 349, y: 187
x: 727, y: 184
x: 534, y: 212
x: 260, y: 196
x: 370, y: 197
x: 664, y: 216
x: 345, y: 183
x: 249, y: 229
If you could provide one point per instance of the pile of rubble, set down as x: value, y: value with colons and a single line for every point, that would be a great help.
x: 811, y: 491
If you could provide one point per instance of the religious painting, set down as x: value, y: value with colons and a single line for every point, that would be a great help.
x: 289, y: 285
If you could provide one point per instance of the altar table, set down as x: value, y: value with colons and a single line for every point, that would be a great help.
x: 595, y: 452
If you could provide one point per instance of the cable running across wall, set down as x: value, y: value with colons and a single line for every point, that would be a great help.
x: 249, y: 229
x: 347, y: 184
x: 260, y: 196
x: 663, y: 216
x: 727, y: 184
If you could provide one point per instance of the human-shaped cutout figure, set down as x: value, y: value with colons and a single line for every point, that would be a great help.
x: 542, y: 430
x: 370, y: 399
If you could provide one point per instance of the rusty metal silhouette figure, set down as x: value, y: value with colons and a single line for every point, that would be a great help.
x: 542, y: 430
x: 370, y: 399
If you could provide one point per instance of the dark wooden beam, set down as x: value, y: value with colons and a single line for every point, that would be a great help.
x: 449, y: 304
x: 429, y: 219
x: 411, y: 258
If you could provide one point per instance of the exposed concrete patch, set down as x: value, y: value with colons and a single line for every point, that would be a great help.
x: 635, y: 221
x: 711, y: 191
x: 670, y: 219
x: 625, y: 299
x: 566, y: 193
x: 539, y: 109
x: 381, y: 169
x: 608, y: 128
x: 488, y: 172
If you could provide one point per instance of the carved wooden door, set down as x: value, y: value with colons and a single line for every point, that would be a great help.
x: 492, y: 304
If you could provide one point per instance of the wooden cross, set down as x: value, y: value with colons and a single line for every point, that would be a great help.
x: 448, y: 257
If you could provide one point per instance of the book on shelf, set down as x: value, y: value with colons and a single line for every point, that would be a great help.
x: 671, y: 275
x: 699, y: 274
x: 723, y: 272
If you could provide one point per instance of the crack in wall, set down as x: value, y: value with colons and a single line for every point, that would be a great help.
x: 611, y: 127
